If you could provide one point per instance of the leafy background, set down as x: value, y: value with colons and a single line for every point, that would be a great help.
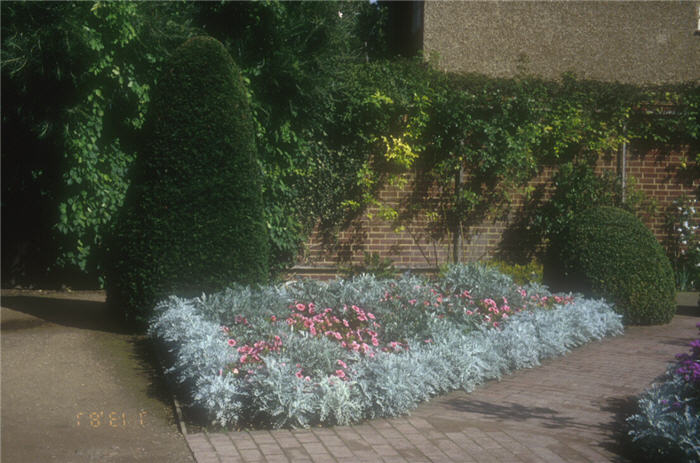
x: 338, y: 115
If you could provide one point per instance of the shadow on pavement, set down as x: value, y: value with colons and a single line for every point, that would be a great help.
x: 688, y: 310
x: 92, y: 315
x: 512, y: 411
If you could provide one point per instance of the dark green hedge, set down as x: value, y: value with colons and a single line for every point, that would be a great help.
x: 192, y: 220
x: 608, y: 252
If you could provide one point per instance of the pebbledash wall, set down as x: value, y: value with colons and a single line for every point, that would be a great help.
x: 631, y: 42
x: 626, y: 41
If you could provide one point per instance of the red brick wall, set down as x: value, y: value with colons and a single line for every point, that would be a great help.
x: 657, y: 173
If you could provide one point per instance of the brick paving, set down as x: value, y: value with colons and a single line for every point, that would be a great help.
x: 569, y: 409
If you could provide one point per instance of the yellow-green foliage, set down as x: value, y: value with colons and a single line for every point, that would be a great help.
x: 521, y: 274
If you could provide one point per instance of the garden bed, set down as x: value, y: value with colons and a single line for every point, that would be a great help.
x: 667, y: 424
x: 309, y: 353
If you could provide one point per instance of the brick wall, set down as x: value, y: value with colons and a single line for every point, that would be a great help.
x: 656, y: 172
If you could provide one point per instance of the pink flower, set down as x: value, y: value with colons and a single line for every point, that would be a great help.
x: 299, y: 375
x: 231, y: 342
x: 340, y: 373
x: 412, y: 302
x: 273, y: 319
x: 301, y: 307
x: 341, y: 363
x: 312, y: 308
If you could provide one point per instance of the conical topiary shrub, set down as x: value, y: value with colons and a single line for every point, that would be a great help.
x: 193, y: 216
x: 608, y: 252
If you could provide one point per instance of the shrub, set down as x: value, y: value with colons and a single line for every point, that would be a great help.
x: 684, y: 243
x: 192, y: 219
x: 521, y: 274
x: 607, y: 252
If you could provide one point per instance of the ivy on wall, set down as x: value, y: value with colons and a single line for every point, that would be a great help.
x: 468, y: 142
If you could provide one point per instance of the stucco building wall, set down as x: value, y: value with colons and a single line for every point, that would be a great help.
x: 633, y: 42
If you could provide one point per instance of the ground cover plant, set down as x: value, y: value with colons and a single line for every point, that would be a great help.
x: 667, y: 426
x: 339, y: 352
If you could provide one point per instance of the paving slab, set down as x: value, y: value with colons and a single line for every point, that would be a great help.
x: 569, y: 409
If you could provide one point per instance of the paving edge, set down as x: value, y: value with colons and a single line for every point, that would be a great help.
x: 176, y: 404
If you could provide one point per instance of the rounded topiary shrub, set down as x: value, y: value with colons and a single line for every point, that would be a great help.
x: 192, y: 221
x: 608, y: 252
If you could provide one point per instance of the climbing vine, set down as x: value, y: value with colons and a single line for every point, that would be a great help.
x: 468, y: 142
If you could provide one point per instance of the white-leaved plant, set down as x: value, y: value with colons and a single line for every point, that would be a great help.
x: 429, y: 345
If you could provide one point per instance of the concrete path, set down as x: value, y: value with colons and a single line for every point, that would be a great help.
x: 570, y: 409
x: 76, y: 388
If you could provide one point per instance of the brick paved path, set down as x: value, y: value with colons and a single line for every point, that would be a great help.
x: 570, y: 409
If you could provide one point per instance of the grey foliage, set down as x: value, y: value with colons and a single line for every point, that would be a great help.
x: 298, y: 385
x: 667, y: 425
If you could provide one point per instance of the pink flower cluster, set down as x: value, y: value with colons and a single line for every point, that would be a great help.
x: 354, y: 331
x: 546, y: 302
x: 489, y: 311
x: 251, y: 354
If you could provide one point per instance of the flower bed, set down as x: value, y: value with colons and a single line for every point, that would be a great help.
x: 340, y: 352
x: 667, y: 426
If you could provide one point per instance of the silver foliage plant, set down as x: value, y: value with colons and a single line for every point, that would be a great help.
x: 429, y: 345
x: 667, y: 425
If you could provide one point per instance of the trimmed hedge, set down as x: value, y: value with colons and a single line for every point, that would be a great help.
x: 608, y: 252
x: 192, y: 219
